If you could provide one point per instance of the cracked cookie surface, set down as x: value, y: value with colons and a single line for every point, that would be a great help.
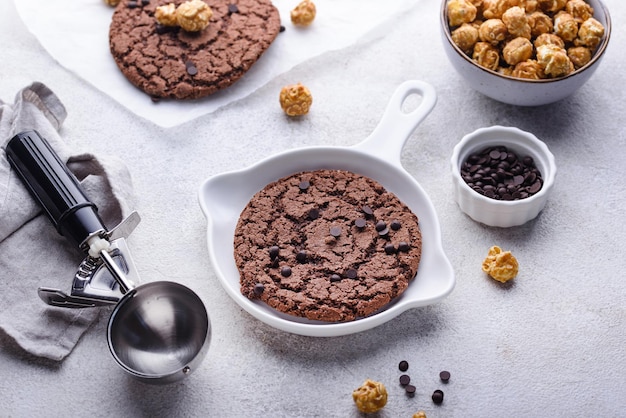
x: 326, y: 245
x: 168, y: 62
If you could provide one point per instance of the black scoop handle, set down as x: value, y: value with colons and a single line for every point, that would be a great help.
x: 54, y: 186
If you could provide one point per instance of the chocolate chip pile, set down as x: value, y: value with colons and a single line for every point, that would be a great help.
x: 498, y: 173
x: 405, y: 381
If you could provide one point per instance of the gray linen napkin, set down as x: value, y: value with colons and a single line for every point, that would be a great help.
x: 32, y: 253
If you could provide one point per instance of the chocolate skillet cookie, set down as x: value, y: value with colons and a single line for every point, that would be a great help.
x: 170, y: 62
x: 326, y: 245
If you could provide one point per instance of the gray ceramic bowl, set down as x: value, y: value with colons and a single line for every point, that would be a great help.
x: 518, y: 91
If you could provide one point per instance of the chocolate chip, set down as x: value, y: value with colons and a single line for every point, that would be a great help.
x: 367, y: 210
x: 395, y: 225
x: 437, y: 396
x: 314, y: 214
x: 403, y: 366
x: 444, y: 376
x: 145, y: 2
x: 335, y: 231
x: 404, y: 247
x: 132, y: 4
x: 304, y: 185
x: 351, y: 274
x: 282, y: 28
x: 390, y: 249
x: 405, y: 379
x: 360, y: 223
x: 380, y: 225
x: 232, y: 8
x: 384, y: 232
x: 258, y: 289
x: 285, y: 271
x: 301, y: 256
x: 335, y: 278
x: 274, y: 251
x: 191, y: 68
x: 410, y: 390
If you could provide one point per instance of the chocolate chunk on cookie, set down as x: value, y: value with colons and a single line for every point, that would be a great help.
x: 340, y: 266
x: 169, y: 62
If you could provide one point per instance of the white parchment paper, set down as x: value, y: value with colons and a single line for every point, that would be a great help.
x: 79, y: 40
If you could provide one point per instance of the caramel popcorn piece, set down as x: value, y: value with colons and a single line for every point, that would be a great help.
x: 530, y: 6
x: 549, y: 39
x: 579, y: 9
x: 194, y: 15
x: 529, y: 69
x: 500, y: 265
x: 494, y: 9
x: 540, y: 23
x: 370, y: 397
x: 565, y: 26
x: 486, y: 55
x: 465, y: 37
x: 295, y: 100
x: 554, y: 60
x: 518, y: 50
x: 590, y: 33
x: 304, y: 13
x: 419, y: 414
x: 112, y: 3
x: 552, y: 6
x: 461, y: 11
x: 516, y: 22
x: 579, y: 55
x: 492, y: 31
x: 166, y: 15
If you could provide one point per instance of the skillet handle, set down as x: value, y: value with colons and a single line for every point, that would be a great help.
x: 396, y: 125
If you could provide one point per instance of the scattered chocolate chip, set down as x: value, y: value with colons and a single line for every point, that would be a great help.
x: 274, y: 250
x: 232, y: 8
x: 437, y: 396
x: 390, y: 249
x: 191, y: 68
x: 301, y: 256
x: 410, y: 390
x: 367, y: 210
x: 155, y: 99
x: 380, y: 225
x: 444, y: 376
x: 403, y: 366
x: 351, y: 274
x: 360, y: 223
x: 258, y: 288
x: 285, y: 271
x: 404, y: 247
x: 314, y: 214
x: 335, y: 231
x: 395, y: 225
x: 304, y: 185
x: 405, y: 379
x: 335, y: 278
x: 145, y: 2
x: 384, y: 232
x: 282, y: 28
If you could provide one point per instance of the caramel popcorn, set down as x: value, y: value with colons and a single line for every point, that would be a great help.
x: 419, y: 414
x: 500, y: 265
x: 566, y: 24
x: 461, y: 11
x: 194, y: 15
x: 590, y: 33
x: 516, y: 22
x: 304, y: 13
x: 518, y: 50
x: 166, y: 15
x: 295, y: 99
x: 579, y: 9
x: 486, y: 55
x: 370, y: 397
x: 465, y: 37
x: 554, y: 60
x: 579, y: 55
x: 492, y: 31
x: 112, y: 3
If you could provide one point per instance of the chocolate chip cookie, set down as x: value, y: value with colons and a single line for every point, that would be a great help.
x: 169, y: 62
x: 327, y: 245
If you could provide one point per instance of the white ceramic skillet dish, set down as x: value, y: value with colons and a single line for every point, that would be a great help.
x: 224, y: 196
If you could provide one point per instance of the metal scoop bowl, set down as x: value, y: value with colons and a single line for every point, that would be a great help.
x: 159, y: 332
